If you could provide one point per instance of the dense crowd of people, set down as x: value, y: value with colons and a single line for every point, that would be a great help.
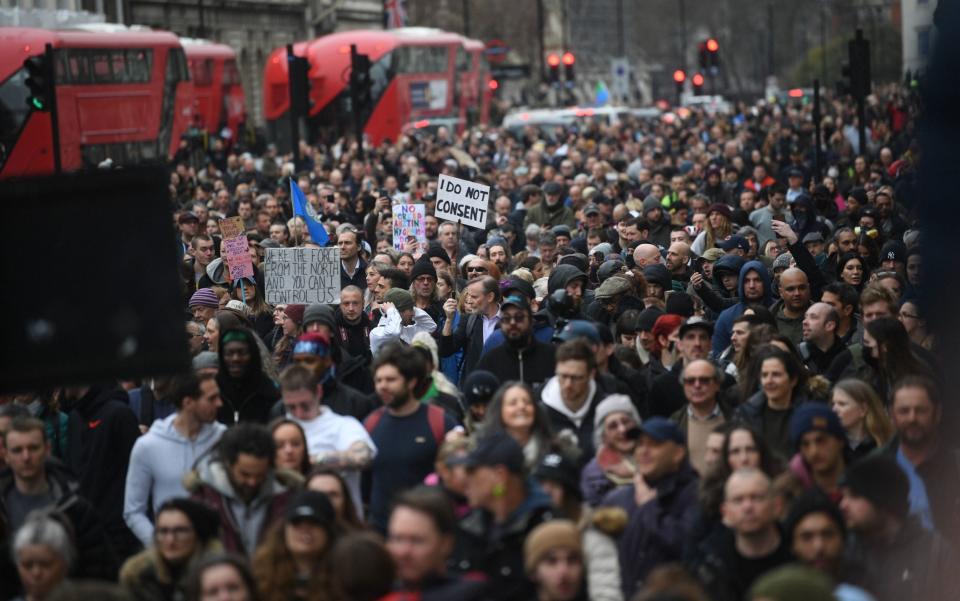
x: 678, y: 363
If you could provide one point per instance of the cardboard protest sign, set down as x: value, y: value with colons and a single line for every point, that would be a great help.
x: 409, y: 225
x: 302, y: 275
x: 236, y: 249
x: 461, y: 201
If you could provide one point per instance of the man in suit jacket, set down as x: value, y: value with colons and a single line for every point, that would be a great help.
x: 473, y: 330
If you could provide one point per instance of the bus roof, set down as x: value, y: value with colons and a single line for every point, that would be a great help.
x: 206, y: 49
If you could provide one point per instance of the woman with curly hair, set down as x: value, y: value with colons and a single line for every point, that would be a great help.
x: 292, y: 562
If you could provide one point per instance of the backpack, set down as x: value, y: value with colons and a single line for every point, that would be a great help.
x: 435, y: 417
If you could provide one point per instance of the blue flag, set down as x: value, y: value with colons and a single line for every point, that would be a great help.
x: 304, y: 210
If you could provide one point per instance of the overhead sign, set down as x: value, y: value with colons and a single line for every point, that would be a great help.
x: 462, y: 201
x: 302, y: 275
x: 409, y: 225
x: 496, y: 51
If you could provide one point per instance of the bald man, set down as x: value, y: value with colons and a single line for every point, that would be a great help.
x: 646, y: 254
x: 820, y: 341
x: 793, y: 304
x: 678, y: 257
x: 727, y: 566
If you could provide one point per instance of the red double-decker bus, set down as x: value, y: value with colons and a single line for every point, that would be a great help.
x: 122, y: 93
x: 218, y: 100
x: 421, y: 77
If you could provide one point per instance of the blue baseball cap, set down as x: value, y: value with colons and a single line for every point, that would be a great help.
x: 580, y: 328
x: 735, y: 241
x: 660, y: 429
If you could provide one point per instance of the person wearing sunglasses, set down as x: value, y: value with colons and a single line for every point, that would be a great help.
x: 701, y: 380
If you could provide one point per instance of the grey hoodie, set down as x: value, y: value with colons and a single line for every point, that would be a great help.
x: 159, y: 461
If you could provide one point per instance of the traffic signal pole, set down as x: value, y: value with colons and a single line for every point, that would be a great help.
x: 355, y: 102
x: 54, y: 118
x: 294, y: 113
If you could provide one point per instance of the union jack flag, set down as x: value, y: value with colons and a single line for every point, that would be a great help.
x: 394, y: 14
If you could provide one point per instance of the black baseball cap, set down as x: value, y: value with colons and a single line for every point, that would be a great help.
x: 498, y: 448
x: 311, y: 505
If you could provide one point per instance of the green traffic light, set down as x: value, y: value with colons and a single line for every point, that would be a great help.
x: 37, y: 103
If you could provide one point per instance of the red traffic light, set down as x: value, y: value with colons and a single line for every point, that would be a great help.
x: 679, y: 76
x: 553, y: 59
x: 697, y: 80
x: 568, y: 58
x: 493, y: 84
x: 713, y: 45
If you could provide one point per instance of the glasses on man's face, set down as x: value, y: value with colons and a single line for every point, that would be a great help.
x: 698, y: 380
x: 514, y: 318
x: 476, y: 269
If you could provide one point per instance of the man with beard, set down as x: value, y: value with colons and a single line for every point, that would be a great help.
x: 240, y: 484
x: 521, y: 357
x: 923, y: 455
x: 498, y: 251
x: 353, y: 269
x: 551, y: 210
x: 406, y: 432
x: 423, y: 280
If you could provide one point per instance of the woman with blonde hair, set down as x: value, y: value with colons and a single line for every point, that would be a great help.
x: 863, y: 417
x: 719, y: 226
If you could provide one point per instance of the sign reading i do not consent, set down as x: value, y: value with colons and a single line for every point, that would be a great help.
x: 461, y: 201
x: 302, y: 276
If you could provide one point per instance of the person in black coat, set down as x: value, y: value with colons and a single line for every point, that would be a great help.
x: 469, y: 334
x: 521, y: 357
x: 247, y: 393
x: 101, y: 433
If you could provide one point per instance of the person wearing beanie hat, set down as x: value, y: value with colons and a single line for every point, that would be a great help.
x: 290, y: 328
x: 478, y: 390
x: 658, y: 280
x: 820, y: 441
x: 203, y: 304
x: 613, y: 465
x: 206, y: 362
x: 893, y: 257
x: 438, y: 257
x: 401, y: 320
x: 680, y: 303
x: 295, y: 314
x: 423, y: 287
x: 793, y: 583
x: 561, y: 578
x: 161, y: 570
x: 901, y: 558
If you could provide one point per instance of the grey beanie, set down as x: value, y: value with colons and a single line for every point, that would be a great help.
x: 650, y: 203
x: 322, y: 313
x: 206, y: 360
x: 612, y: 404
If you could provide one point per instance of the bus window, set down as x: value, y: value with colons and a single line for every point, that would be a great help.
x: 13, y: 111
x: 421, y: 59
x: 202, y: 70
x: 79, y: 66
x: 231, y: 75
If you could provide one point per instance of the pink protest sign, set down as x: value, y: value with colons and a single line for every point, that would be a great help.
x: 236, y: 249
x: 409, y: 225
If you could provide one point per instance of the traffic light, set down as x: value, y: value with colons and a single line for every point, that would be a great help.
x: 553, y: 68
x: 713, y: 53
x: 859, y: 68
x: 679, y: 76
x: 299, y: 68
x: 568, y: 60
x: 697, y: 81
x: 39, y: 82
x: 360, y: 81
x: 703, y: 58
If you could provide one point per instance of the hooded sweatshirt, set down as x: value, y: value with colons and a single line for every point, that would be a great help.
x: 724, y: 325
x: 158, y: 463
x: 242, y: 524
x: 562, y: 418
